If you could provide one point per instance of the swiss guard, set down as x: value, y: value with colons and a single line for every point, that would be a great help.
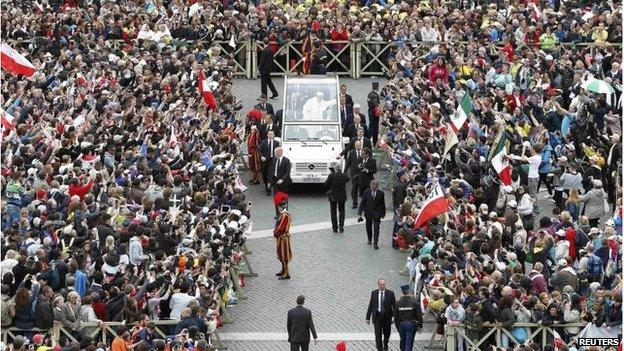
x: 282, y: 234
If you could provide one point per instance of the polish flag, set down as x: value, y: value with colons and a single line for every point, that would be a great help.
x: 435, y: 204
x: 204, y: 88
x: 8, y: 121
x: 15, y: 63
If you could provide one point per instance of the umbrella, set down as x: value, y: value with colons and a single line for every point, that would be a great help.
x: 598, y: 86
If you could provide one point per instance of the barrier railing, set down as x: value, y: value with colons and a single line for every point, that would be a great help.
x: 345, y: 58
x: 290, y: 57
x: 104, y: 332
x: 544, y: 335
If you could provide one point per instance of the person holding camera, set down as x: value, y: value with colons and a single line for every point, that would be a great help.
x: 407, y: 318
x: 366, y: 170
x: 336, y: 184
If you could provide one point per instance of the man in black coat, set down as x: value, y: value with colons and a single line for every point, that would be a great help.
x: 266, y: 67
x: 300, y: 324
x: 381, y: 309
x: 268, y: 124
x: 267, y: 153
x: 352, y: 129
x: 366, y: 142
x: 367, y: 169
x: 263, y: 105
x: 43, y: 310
x: 336, y: 184
x: 354, y: 158
x: 279, y: 174
x: 373, y: 205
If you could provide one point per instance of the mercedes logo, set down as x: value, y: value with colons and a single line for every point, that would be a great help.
x: 310, y: 166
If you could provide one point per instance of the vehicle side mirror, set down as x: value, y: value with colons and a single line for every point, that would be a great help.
x: 345, y: 140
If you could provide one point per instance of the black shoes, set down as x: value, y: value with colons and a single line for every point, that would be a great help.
x: 354, y: 206
x: 335, y: 230
x: 284, y: 277
x: 370, y: 243
x: 278, y: 274
x: 376, y: 247
x: 341, y: 229
x: 273, y: 97
x: 268, y: 192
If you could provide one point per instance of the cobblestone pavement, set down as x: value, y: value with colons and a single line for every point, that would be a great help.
x: 336, y: 272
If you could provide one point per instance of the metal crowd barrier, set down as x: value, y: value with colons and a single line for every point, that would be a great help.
x: 353, y: 59
x: 537, y: 333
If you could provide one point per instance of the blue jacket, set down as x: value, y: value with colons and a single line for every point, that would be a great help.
x: 81, y: 283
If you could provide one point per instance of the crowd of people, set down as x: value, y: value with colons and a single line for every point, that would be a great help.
x: 121, y: 195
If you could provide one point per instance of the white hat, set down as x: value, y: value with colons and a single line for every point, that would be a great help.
x: 483, y: 208
x: 563, y: 159
x: 512, y: 204
x: 508, y: 189
x: 236, y: 212
x: 243, y: 219
x: 597, y: 183
x: 233, y: 224
x: 562, y: 263
x: 610, y: 223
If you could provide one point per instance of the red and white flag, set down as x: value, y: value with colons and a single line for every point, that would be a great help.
x: 173, y: 139
x: 15, y: 63
x: 435, y: 204
x: 8, y: 121
x: 204, y: 89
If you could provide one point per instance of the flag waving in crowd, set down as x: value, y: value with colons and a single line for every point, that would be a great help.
x: 461, y: 114
x: 15, y: 63
x: 205, y: 91
x: 498, y: 158
x: 435, y: 204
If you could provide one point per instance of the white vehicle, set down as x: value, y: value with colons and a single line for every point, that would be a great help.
x: 311, y: 129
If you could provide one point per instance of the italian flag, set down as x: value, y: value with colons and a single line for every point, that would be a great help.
x: 434, y: 205
x: 499, y: 160
x: 8, y: 121
x: 461, y: 115
x: 15, y: 63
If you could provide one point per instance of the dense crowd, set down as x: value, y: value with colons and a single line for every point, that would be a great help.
x: 121, y: 197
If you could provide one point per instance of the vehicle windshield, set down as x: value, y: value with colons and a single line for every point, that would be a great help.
x: 311, y: 100
x: 318, y: 132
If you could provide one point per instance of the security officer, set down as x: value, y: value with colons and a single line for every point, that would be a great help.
x: 408, y: 318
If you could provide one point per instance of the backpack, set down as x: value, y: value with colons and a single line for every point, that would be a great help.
x: 594, y: 268
x: 5, y: 317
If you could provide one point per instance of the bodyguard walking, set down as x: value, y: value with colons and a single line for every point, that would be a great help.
x: 299, y: 324
x: 354, y: 158
x: 336, y: 185
x: 373, y: 205
x: 279, y: 174
x: 407, y: 318
x: 381, y: 309
x: 266, y: 67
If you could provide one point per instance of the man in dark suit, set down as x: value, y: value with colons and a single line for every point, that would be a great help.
x: 264, y: 106
x: 279, y: 174
x: 367, y: 170
x: 266, y: 67
x: 373, y: 205
x: 267, y: 125
x: 300, y: 325
x: 347, y: 97
x: 346, y: 113
x: 381, y: 308
x: 354, y: 158
x: 267, y: 153
x: 356, y: 112
x: 336, y: 185
x: 366, y: 142
x: 352, y: 128
x: 613, y: 163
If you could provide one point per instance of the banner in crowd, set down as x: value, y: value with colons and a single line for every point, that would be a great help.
x: 15, y: 63
x: 434, y: 205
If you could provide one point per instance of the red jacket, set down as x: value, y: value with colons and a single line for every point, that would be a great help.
x: 80, y: 190
x: 571, y: 237
x: 336, y: 35
x: 511, y: 102
x: 438, y: 72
